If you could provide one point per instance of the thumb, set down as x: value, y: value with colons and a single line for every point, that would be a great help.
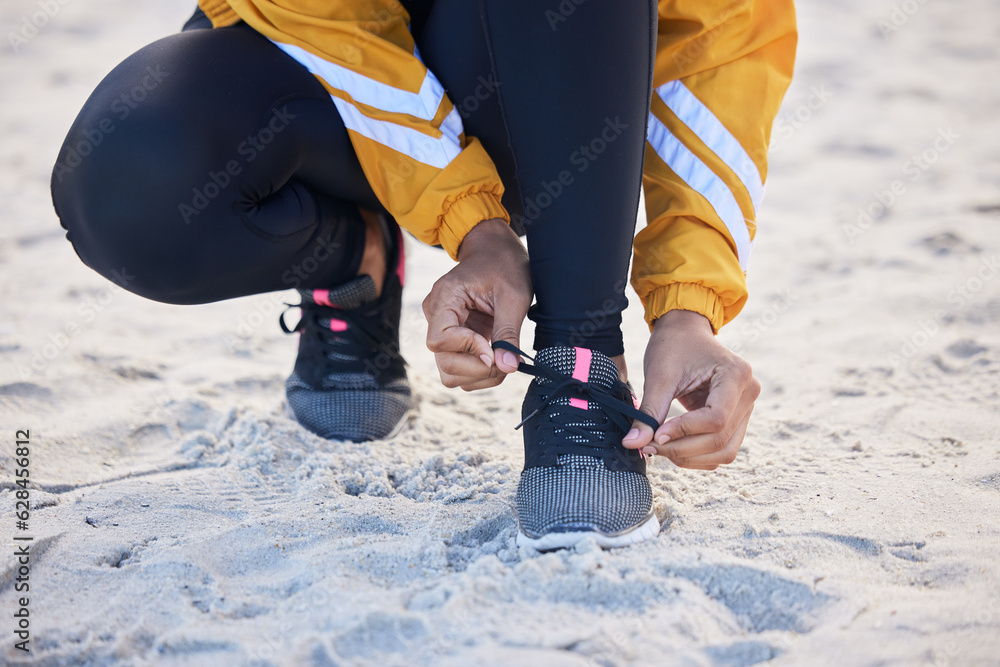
x: 507, y: 321
x: 656, y: 404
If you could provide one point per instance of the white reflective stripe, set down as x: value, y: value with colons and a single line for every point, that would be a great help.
x: 436, y: 152
x: 714, y: 134
x: 366, y: 90
x: 700, y: 178
x: 452, y: 128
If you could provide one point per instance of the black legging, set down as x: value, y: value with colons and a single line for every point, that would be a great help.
x: 211, y: 165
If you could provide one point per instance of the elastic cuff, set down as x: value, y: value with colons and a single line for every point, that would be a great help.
x: 219, y: 12
x: 464, y: 214
x: 685, y: 296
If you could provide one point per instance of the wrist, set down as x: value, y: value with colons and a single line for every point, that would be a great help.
x: 686, y: 320
x: 485, y: 235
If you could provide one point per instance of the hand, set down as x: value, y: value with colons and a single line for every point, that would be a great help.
x: 685, y: 361
x: 485, y: 298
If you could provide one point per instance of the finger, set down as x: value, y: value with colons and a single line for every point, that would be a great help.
x: 456, y: 338
x: 508, y: 316
x: 453, y: 381
x: 723, y: 401
x: 440, y: 318
x: 464, y: 366
x: 446, y: 331
x: 640, y: 435
x: 471, y: 384
x: 484, y: 384
x: 703, y: 444
x: 655, y: 403
x: 723, y: 456
x: 457, y: 370
x: 463, y: 370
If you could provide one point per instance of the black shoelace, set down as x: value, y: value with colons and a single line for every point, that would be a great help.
x: 365, y: 333
x: 590, y: 426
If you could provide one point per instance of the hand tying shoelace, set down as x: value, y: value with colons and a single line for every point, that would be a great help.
x: 578, y: 479
x: 590, y: 426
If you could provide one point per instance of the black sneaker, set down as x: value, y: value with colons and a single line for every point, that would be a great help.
x: 349, y: 381
x: 578, y: 479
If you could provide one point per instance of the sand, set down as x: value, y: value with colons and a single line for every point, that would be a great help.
x: 180, y: 518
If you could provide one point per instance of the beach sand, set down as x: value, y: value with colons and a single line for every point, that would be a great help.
x: 180, y: 518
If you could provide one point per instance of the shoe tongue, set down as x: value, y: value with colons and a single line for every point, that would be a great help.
x: 348, y: 296
x: 581, y: 363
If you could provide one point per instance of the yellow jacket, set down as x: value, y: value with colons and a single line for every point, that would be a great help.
x: 721, y: 71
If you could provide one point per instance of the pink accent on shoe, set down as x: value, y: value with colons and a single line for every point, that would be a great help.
x: 337, y: 325
x: 322, y: 297
x: 401, y: 264
x: 581, y: 371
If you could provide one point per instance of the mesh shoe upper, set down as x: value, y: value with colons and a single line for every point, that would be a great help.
x: 577, y: 477
x: 349, y: 381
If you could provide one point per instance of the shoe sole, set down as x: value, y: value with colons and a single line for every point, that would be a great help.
x: 647, y: 530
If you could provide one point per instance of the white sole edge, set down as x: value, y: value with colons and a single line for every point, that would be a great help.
x: 403, y: 422
x: 647, y: 530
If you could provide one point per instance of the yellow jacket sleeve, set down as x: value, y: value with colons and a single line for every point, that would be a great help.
x: 721, y: 71
x: 436, y: 182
